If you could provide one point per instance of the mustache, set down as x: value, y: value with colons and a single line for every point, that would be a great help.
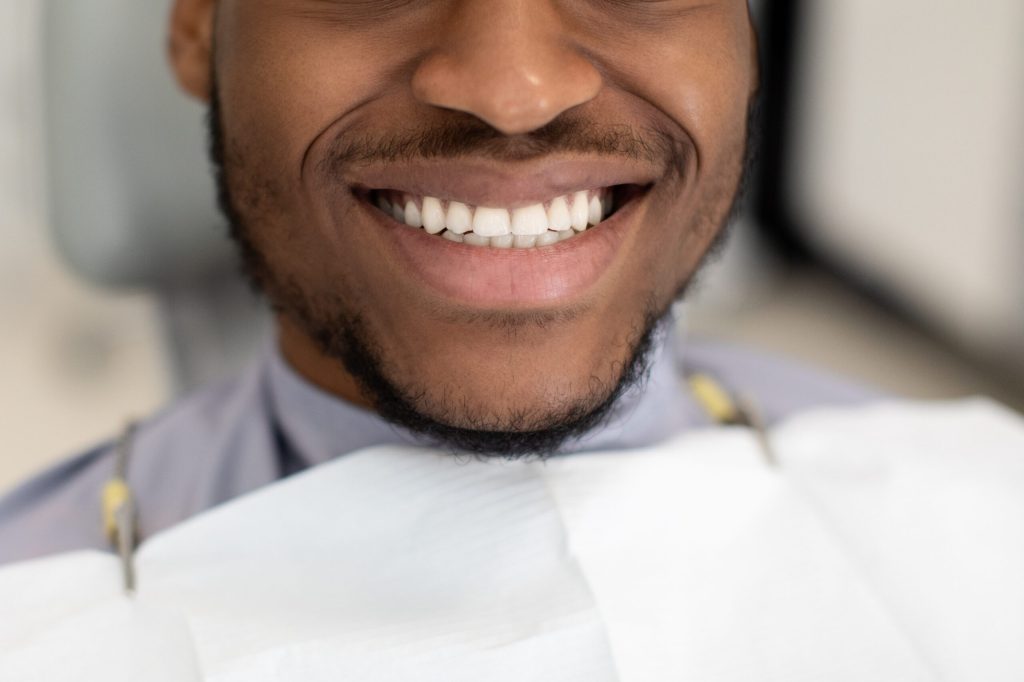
x: 461, y: 135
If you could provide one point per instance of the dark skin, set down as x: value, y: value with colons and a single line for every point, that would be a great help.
x: 297, y: 80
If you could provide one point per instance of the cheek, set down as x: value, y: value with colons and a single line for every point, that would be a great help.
x: 711, y: 105
x: 705, y: 76
x: 708, y: 100
x: 279, y: 93
x: 285, y: 81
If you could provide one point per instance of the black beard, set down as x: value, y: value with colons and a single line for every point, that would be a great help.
x: 342, y: 335
x: 520, y: 435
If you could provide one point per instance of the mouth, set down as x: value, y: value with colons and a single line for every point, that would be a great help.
x: 545, y: 223
x: 477, y: 236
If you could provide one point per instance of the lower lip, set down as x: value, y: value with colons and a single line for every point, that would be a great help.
x: 503, y: 279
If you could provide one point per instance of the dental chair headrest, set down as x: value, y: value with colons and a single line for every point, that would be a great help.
x: 131, y: 195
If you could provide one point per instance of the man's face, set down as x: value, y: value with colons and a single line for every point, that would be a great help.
x: 479, y: 119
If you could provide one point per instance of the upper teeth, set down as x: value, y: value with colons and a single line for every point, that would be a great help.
x: 529, y: 226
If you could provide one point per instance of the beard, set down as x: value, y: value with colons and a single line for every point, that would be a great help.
x: 340, y: 330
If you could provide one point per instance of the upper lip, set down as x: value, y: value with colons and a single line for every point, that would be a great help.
x: 488, y: 183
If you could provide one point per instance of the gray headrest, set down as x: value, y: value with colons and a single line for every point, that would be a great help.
x: 130, y: 192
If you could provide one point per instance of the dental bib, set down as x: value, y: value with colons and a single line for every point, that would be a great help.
x: 887, y: 545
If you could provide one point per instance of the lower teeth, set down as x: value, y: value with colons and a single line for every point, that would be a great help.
x: 509, y: 241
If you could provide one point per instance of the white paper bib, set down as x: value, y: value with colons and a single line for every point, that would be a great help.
x: 889, y: 545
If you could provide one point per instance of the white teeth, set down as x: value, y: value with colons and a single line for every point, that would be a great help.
x: 459, y: 219
x: 503, y: 242
x: 595, y: 211
x: 492, y: 222
x: 433, y: 215
x: 412, y: 214
x: 580, y: 211
x: 547, y: 238
x: 523, y: 228
x: 558, y: 215
x: 532, y: 220
x: 475, y: 239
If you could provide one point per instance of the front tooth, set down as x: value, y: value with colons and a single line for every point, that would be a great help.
x: 559, y: 218
x: 524, y: 241
x: 433, y: 215
x: 503, y: 242
x: 580, y: 211
x: 475, y: 239
x: 453, y: 237
x: 568, y: 234
x: 548, y: 238
x: 412, y: 214
x: 594, y: 210
x: 531, y: 220
x: 491, y: 222
x: 459, y: 219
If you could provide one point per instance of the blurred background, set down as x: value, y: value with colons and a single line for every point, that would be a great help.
x: 882, y: 237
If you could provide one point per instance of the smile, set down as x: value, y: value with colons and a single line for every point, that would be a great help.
x: 479, y: 236
x: 525, y: 227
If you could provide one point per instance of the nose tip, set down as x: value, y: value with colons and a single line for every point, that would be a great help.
x: 513, y: 68
x: 512, y: 98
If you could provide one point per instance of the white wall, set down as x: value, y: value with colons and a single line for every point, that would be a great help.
x: 911, y: 158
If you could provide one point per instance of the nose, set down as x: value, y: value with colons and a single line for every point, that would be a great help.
x: 510, y: 63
